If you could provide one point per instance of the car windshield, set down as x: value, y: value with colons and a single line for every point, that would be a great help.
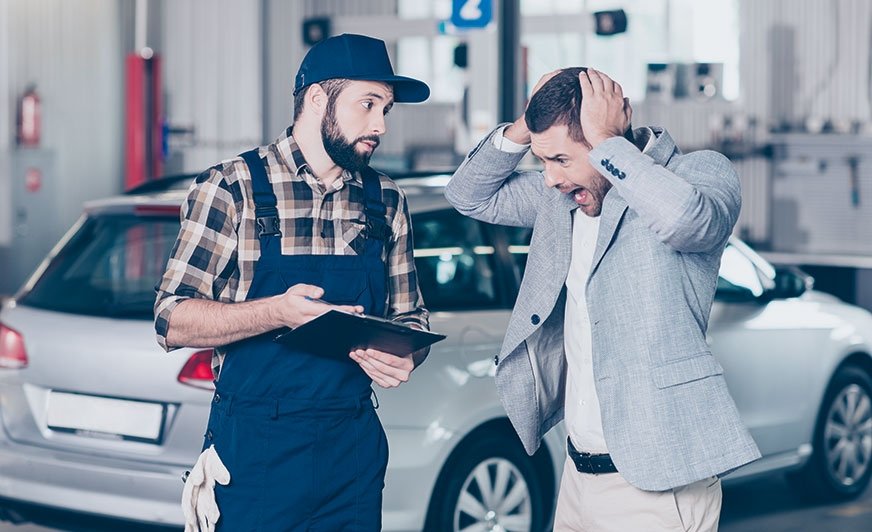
x: 108, y: 268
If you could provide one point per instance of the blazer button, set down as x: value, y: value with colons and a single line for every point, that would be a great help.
x: 209, y: 435
x: 604, y: 162
x: 610, y: 167
x: 622, y: 175
x: 534, y: 319
x: 216, y: 399
x: 496, y: 360
x: 616, y: 172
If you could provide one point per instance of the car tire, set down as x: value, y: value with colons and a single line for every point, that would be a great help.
x: 841, y: 463
x: 522, y: 501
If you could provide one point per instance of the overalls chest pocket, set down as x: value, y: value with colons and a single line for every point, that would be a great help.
x: 345, y: 287
x: 352, y: 231
x: 341, y: 286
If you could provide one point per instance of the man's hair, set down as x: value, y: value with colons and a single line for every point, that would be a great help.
x: 557, y: 103
x: 331, y: 86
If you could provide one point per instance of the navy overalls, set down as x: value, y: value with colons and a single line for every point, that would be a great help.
x: 298, y: 431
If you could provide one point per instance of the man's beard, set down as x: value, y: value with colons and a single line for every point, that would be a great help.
x: 599, y: 187
x: 339, y: 149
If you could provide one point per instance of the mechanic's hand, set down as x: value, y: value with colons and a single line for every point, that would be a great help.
x: 517, y: 131
x: 198, y: 497
x: 385, y: 369
x: 604, y: 111
x: 298, y: 306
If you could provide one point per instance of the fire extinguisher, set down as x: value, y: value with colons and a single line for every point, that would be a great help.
x: 29, y: 119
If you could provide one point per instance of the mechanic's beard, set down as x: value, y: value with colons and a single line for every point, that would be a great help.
x: 339, y: 149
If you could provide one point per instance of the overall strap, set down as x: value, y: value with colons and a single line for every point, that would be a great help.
x: 265, y: 211
x: 378, y: 232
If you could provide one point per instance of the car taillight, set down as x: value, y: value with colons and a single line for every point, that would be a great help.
x: 197, y: 371
x: 12, y: 353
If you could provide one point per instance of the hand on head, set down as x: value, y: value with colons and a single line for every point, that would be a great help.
x: 518, y: 131
x: 604, y: 111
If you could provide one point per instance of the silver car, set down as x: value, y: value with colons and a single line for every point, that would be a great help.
x: 97, y: 419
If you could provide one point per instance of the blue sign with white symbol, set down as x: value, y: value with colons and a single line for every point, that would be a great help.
x: 471, y: 13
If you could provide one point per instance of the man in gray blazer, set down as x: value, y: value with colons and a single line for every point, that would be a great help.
x: 609, y: 328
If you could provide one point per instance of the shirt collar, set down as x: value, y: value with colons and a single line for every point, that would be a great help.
x: 655, y: 142
x: 289, y: 153
x: 647, y: 135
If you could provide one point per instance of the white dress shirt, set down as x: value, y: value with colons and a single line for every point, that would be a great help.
x: 582, y: 414
x: 582, y: 408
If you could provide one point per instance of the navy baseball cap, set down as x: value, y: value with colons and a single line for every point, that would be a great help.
x: 357, y: 57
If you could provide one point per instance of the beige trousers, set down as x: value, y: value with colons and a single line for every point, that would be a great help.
x: 606, y: 503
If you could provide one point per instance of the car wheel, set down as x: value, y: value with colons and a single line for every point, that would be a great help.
x: 841, y: 464
x: 490, y: 484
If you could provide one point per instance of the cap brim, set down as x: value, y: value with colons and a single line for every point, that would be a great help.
x: 406, y: 90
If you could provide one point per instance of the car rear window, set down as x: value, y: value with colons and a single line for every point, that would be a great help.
x: 108, y: 268
x: 111, y: 265
x: 454, y: 261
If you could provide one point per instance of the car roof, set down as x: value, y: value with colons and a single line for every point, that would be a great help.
x: 424, y: 192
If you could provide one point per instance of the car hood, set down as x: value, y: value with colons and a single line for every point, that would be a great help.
x: 820, y: 297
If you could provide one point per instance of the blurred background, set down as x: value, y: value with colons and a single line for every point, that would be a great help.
x: 99, y: 97
x: 126, y: 91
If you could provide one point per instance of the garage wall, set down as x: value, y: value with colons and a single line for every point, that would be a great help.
x: 6, y: 128
x: 213, y: 79
x: 71, y: 50
x: 284, y: 50
x: 349, y: 8
x: 806, y: 58
x: 229, y: 70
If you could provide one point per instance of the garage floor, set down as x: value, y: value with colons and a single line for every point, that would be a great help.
x: 767, y: 504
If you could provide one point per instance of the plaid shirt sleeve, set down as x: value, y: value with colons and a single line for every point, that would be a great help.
x: 405, y: 304
x: 205, y: 247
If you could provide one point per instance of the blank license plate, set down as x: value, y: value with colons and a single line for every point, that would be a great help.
x: 103, y: 417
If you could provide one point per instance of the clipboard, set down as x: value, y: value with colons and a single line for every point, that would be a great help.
x: 335, y: 334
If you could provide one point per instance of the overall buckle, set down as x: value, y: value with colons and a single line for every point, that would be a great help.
x: 268, y: 226
x: 377, y: 229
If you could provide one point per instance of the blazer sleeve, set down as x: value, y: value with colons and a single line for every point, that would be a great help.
x: 691, y: 206
x: 487, y: 187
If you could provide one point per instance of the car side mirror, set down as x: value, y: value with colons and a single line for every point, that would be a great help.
x: 790, y: 282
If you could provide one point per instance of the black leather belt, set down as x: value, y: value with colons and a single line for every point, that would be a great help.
x: 594, y: 464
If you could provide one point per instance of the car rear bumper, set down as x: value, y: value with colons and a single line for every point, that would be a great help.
x: 151, y: 493
x: 148, y: 493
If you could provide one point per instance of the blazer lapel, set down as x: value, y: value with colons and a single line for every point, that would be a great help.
x: 614, y: 207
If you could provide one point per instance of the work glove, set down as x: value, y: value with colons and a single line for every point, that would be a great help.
x: 198, y: 497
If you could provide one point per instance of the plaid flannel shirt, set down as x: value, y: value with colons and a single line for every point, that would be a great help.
x: 217, y: 249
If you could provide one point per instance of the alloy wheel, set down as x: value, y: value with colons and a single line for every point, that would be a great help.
x: 494, y: 498
x: 848, y: 435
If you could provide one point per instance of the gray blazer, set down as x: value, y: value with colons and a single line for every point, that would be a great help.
x: 668, y: 418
